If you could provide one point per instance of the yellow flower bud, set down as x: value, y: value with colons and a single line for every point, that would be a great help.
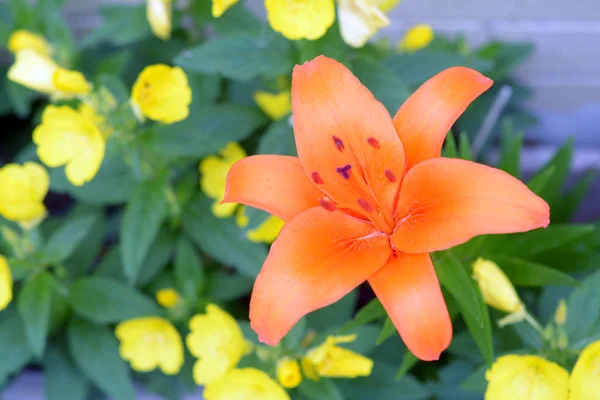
x: 288, y: 373
x: 24, y: 188
x: 275, y: 105
x: 496, y: 288
x: 23, y: 39
x: 158, y: 14
x: 167, y: 298
x: 72, y: 82
x: 220, y: 6
x: 560, y: 316
x: 6, y: 284
x: 585, y: 378
x: 416, y: 38
x: 330, y: 360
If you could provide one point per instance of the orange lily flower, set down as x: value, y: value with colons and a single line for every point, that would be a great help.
x: 369, y: 198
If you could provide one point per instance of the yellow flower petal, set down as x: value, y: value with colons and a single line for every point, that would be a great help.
x: 159, y: 14
x: 70, y: 82
x: 149, y: 343
x: 162, y: 93
x: 275, y: 105
x: 72, y: 138
x: 418, y: 37
x: 6, y: 283
x: 220, y: 6
x: 33, y: 71
x: 526, y: 378
x: 213, y: 171
x: 247, y: 383
x: 288, y: 373
x: 24, y: 188
x: 585, y: 378
x: 330, y: 360
x: 23, y: 39
x: 266, y: 232
x: 167, y: 298
x: 217, y: 340
x: 496, y: 288
x: 386, y: 5
x: 360, y: 21
x: 300, y: 19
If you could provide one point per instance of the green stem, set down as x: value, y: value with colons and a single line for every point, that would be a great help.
x: 534, y: 324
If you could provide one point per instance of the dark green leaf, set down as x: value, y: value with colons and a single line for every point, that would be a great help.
x: 482, y: 333
x: 510, y: 151
x: 88, y: 249
x: 62, y: 380
x: 408, y: 361
x: 96, y: 352
x: 65, y: 240
x: 228, y: 286
x: 506, y: 57
x: 373, y: 311
x: 167, y: 386
x: 336, y: 314
x: 450, y: 149
x: 105, y: 301
x: 583, y: 310
x: 538, y: 182
x: 129, y: 22
x: 526, y: 273
x: 222, y: 239
x: 16, y: 350
x: 158, y: 256
x: 20, y: 98
x: 569, y: 204
x: 528, y: 335
x: 188, y: 270
x: 324, y: 389
x: 141, y: 222
x: 386, y: 332
x: 293, y: 338
x: 237, y: 19
x: 562, y: 162
x: 278, y: 139
x: 241, y: 56
x: 34, y: 303
x: 206, y: 131
x: 383, y: 83
x: 205, y: 89
x: 464, y: 147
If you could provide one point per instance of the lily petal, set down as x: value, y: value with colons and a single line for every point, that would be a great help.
x: 410, y: 292
x: 318, y: 258
x: 346, y: 140
x: 445, y: 202
x: 423, y: 121
x: 275, y: 184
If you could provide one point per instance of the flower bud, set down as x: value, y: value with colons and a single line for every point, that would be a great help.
x: 496, y: 288
x: 288, y: 373
x: 560, y: 315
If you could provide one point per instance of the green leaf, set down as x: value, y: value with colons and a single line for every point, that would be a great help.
x: 510, y: 151
x: 408, y: 361
x: 583, y: 310
x: 20, y: 98
x: 481, y: 330
x: 323, y: 389
x: 464, y: 147
x: 241, y: 56
x: 561, y: 162
x: 95, y: 351
x: 373, y: 311
x: 336, y: 314
x: 62, y: 380
x: 22, y: 13
x: 226, y: 286
x: 158, y: 256
x: 205, y: 89
x: 34, y: 304
x: 222, y: 239
x: 237, y: 19
x: 382, y: 82
x: 450, y: 149
x: 570, y: 203
x: 293, y: 338
x: 16, y: 350
x: 89, y: 247
x: 506, y: 57
x: 141, y: 222
x: 105, y: 301
x: 538, y: 182
x: 188, y: 271
x: 387, y: 331
x: 526, y: 273
x: 206, y: 131
x: 278, y: 139
x: 453, y: 275
x: 129, y: 22
x: 65, y: 240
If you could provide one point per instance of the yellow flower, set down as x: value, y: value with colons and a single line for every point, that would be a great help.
x: 585, y: 378
x: 361, y: 19
x: 300, y: 19
x: 220, y: 6
x: 158, y: 13
x: 288, y: 373
x: 245, y: 384
x: 161, y: 93
x: 496, y: 288
x: 72, y: 138
x: 23, y: 39
x: 41, y: 73
x: 70, y: 82
x: 526, y: 378
x: 560, y: 315
x: 6, y: 283
x: 418, y: 37
x: 218, y: 342
x: 24, y: 188
x: 213, y: 170
x: 150, y: 342
x: 332, y: 361
x: 266, y: 232
x: 275, y: 105
x: 167, y: 298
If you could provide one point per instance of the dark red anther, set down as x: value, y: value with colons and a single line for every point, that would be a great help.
x: 317, y: 178
x: 344, y: 171
x: 338, y: 143
x: 365, y: 205
x: 328, y: 205
x: 374, y: 142
x: 390, y: 175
